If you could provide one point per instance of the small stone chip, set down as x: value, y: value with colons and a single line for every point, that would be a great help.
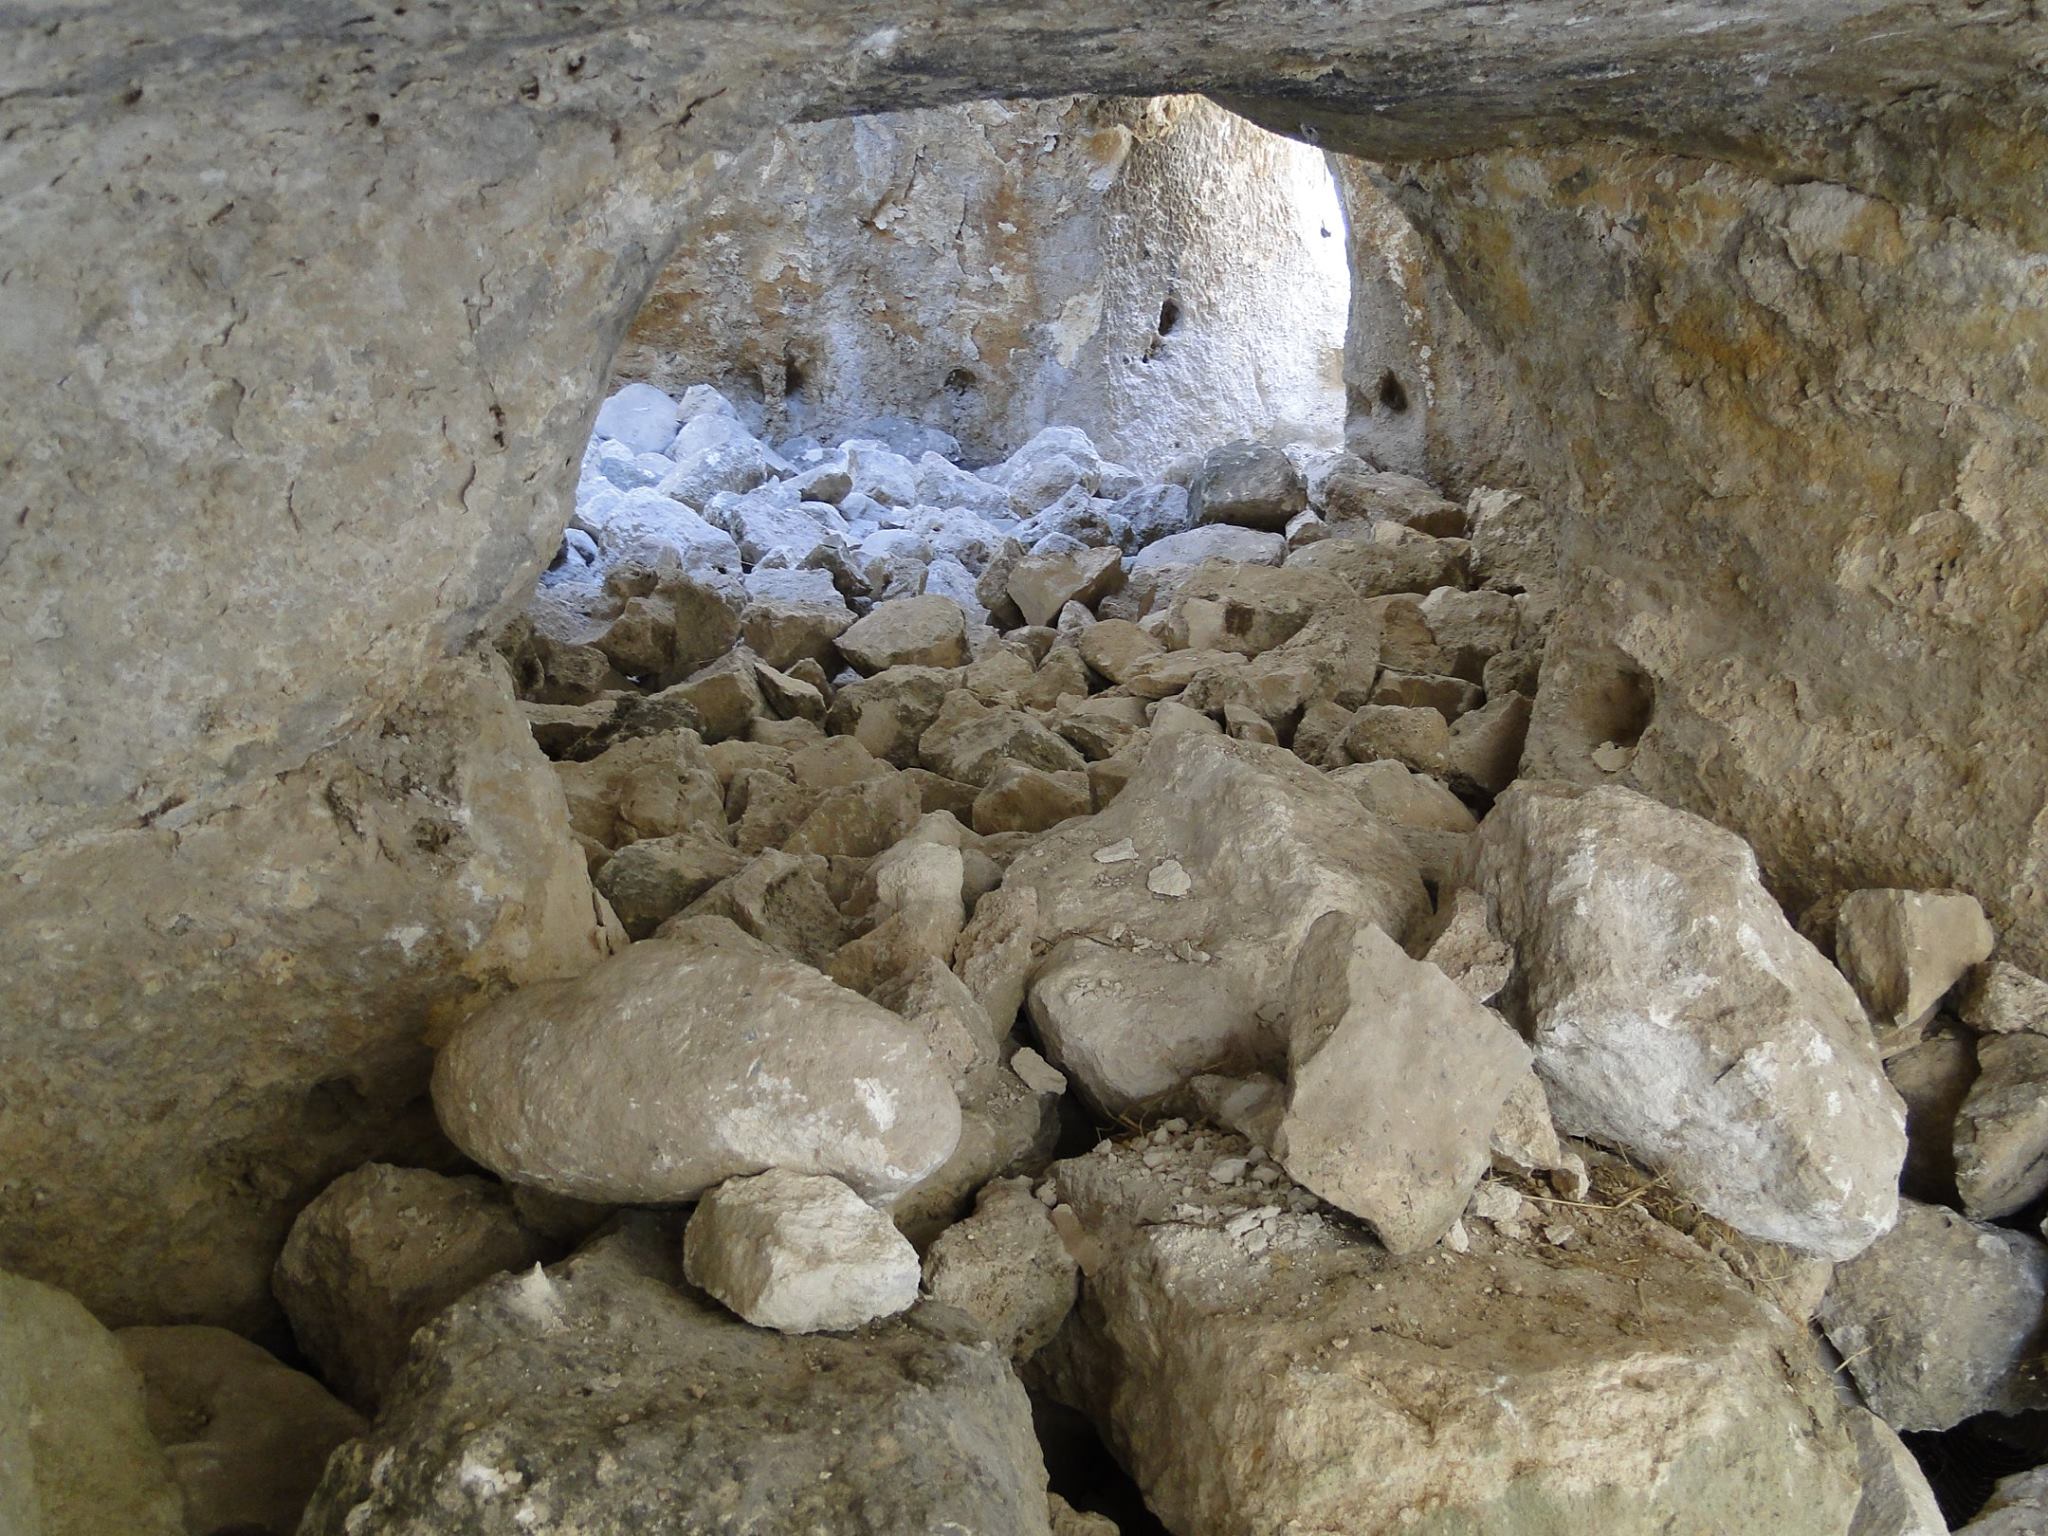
x: 1122, y: 851
x: 1169, y: 879
x: 1036, y: 1073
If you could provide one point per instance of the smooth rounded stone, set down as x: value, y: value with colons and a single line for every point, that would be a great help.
x: 1264, y: 845
x: 1220, y: 541
x: 1397, y: 792
x: 2018, y: 1506
x: 689, y: 1060
x: 969, y: 741
x: 1249, y: 485
x: 246, y: 1435
x: 601, y: 1396
x: 1395, y: 1081
x: 1921, y: 1358
x: 1677, y: 1015
x: 907, y: 632
x: 799, y: 1253
x: 76, y: 1454
x: 1262, y: 1367
x: 1934, y: 1078
x: 1019, y: 798
x: 650, y: 881
x: 639, y: 417
x: 1006, y: 1267
x: 2000, y: 999
x: 1896, y: 1499
x: 2001, y: 1129
x: 1041, y: 585
x: 377, y: 1253
x: 1903, y: 950
x: 1418, y: 739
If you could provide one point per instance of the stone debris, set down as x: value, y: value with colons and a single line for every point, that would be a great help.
x: 1904, y: 950
x: 799, y: 1253
x: 2002, y: 999
x: 1007, y: 1268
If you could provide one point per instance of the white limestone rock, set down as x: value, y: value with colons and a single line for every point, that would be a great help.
x: 1396, y: 1078
x: 1261, y: 1367
x: 689, y: 1060
x: 639, y: 417
x: 799, y: 1253
x: 1676, y: 1015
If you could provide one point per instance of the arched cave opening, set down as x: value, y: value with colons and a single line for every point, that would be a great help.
x: 1206, y: 823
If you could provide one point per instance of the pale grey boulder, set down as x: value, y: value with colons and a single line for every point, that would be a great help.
x: 1940, y: 1319
x: 76, y: 1454
x: 2001, y: 1128
x: 799, y: 1253
x: 1248, y: 485
x: 602, y: 1398
x: 1195, y: 888
x: 1903, y: 951
x: 246, y: 1435
x: 1396, y: 1079
x: 1263, y: 1367
x: 377, y: 1253
x: 1677, y: 1015
x: 689, y: 1060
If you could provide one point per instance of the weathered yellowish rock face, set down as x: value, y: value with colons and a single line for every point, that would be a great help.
x: 1795, y: 438
x: 1160, y: 273
x: 207, y: 1020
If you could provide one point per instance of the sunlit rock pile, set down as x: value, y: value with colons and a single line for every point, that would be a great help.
x: 1083, y: 936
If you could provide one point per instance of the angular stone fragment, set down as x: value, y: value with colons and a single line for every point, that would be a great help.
x: 1169, y: 672
x: 2001, y: 1129
x: 1903, y: 950
x: 1467, y: 950
x: 1248, y: 484
x: 968, y: 741
x: 1374, y: 567
x: 1263, y: 1368
x: 1236, y: 851
x: 859, y: 819
x: 779, y: 899
x: 1006, y: 1268
x: 1675, y: 1014
x: 1390, y: 789
x: 1921, y: 1359
x: 687, y: 1061
x: 1896, y: 1500
x: 1934, y: 1078
x: 783, y: 631
x: 1448, y: 696
x: 2018, y: 1506
x: 1023, y: 799
x: 907, y: 632
x: 1486, y: 746
x: 1418, y: 739
x: 994, y: 954
x: 650, y: 881
x: 2001, y: 998
x: 799, y: 1253
x: 651, y: 786
x: 378, y: 1253
x: 246, y: 1435
x: 1113, y: 646
x: 1395, y: 1080
x: 76, y: 1454
x: 595, y: 1393
x: 923, y: 883
x: 1042, y: 585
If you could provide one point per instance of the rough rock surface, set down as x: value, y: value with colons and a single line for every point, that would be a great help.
x: 378, y: 1253
x: 2001, y: 1127
x: 1921, y: 1360
x: 1261, y: 1368
x: 210, y: 1019
x: 1007, y: 1267
x: 799, y: 1253
x: 600, y: 1396
x: 1903, y: 950
x: 2018, y: 1506
x: 246, y: 1435
x: 1676, y: 1014
x: 687, y: 1061
x: 1395, y: 1080
x: 75, y: 1442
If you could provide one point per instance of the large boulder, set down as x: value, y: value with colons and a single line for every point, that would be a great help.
x: 76, y: 1454
x: 246, y: 1435
x: 1677, y: 1015
x: 689, y: 1060
x: 1261, y: 1367
x: 1179, y: 909
x: 1940, y: 1319
x: 602, y: 1396
x: 379, y: 1253
x: 1248, y: 484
